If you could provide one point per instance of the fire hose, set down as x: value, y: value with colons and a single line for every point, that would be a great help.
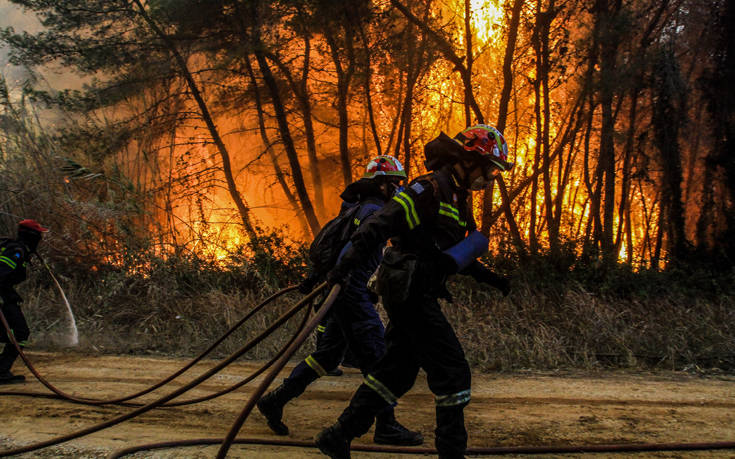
x: 282, y: 359
x: 230, y: 439
x: 476, y: 451
x: 120, y: 400
x: 276, y: 369
x: 159, y: 402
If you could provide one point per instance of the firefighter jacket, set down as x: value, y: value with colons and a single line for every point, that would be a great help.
x: 429, y: 216
x: 14, y: 256
x: 363, y: 194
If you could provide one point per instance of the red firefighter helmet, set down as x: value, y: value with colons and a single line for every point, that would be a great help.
x: 31, y: 225
x: 487, y: 142
x: 384, y: 165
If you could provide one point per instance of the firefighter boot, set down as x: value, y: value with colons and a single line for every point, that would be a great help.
x: 336, y: 371
x: 333, y: 442
x: 355, y: 420
x: 7, y: 377
x: 271, y: 406
x: 451, y: 435
x: 388, y: 431
x: 7, y: 358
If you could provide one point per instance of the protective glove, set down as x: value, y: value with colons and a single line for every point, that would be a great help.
x: 447, y: 264
x: 10, y: 296
x: 307, y: 285
x: 487, y: 276
x: 499, y: 282
x: 502, y: 284
x: 339, y: 274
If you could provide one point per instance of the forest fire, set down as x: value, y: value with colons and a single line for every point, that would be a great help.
x: 218, y: 145
x: 514, y: 185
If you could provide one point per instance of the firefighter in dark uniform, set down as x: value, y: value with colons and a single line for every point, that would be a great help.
x: 14, y: 257
x: 427, y: 222
x: 353, y: 321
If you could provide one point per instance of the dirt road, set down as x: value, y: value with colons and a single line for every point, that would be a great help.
x: 506, y: 410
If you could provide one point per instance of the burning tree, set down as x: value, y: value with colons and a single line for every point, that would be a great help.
x: 257, y: 112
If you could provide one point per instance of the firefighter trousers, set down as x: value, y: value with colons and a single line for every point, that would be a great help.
x: 355, y: 325
x: 418, y: 336
x: 17, y: 321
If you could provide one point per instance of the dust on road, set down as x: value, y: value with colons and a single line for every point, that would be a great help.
x: 506, y: 409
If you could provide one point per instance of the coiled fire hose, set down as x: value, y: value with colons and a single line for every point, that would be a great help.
x: 120, y: 400
x: 154, y: 404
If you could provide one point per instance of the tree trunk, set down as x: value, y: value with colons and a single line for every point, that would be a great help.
x: 305, y: 104
x: 469, y: 60
x: 510, y: 45
x: 368, y: 91
x: 301, y: 92
x: 545, y: 20
x: 280, y: 177
x: 606, y: 13
x: 669, y: 112
x: 344, y: 77
x: 287, y: 140
x: 627, y: 166
x: 239, y: 201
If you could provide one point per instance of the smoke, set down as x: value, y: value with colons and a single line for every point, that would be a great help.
x: 13, y: 16
x: 50, y: 77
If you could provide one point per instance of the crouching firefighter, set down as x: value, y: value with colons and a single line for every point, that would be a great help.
x: 14, y: 257
x: 433, y: 235
x: 353, y: 321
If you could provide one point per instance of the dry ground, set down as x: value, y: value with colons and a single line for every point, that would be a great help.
x: 506, y: 409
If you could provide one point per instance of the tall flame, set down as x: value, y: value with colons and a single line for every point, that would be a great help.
x: 487, y: 16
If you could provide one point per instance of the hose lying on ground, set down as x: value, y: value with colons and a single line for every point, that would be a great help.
x: 120, y: 400
x: 477, y: 451
x: 103, y: 425
x: 285, y: 356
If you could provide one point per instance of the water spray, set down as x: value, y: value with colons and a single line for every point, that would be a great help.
x: 73, y: 339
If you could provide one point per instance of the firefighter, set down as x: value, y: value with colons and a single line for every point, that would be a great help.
x: 14, y: 257
x: 433, y: 235
x: 353, y: 321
